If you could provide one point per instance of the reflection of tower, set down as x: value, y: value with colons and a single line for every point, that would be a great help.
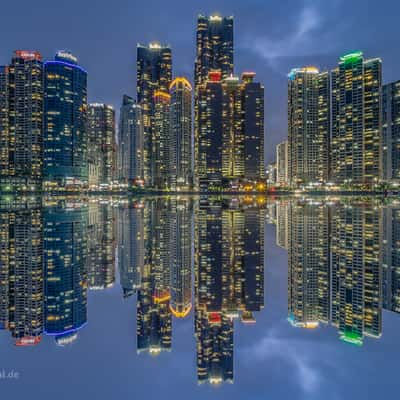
x: 229, y: 269
x: 101, y: 246
x: 130, y: 246
x: 65, y: 250
x: 308, y: 275
x: 356, y: 272
x: 282, y: 224
x: 391, y: 257
x: 21, y: 259
x: 181, y: 262
x: 153, y: 314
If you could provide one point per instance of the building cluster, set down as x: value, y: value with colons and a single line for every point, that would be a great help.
x: 343, y: 264
x: 343, y: 128
x: 53, y: 140
x: 176, y: 255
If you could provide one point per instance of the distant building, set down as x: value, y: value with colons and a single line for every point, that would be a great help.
x: 130, y: 142
x: 282, y: 163
x: 65, y: 123
x: 271, y: 174
x: 101, y: 133
x: 391, y: 132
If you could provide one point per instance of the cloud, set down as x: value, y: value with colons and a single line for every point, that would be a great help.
x: 302, y: 356
x: 305, y: 38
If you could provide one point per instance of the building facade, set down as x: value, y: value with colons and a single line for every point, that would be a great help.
x: 154, y: 73
x: 391, y: 132
x: 130, y: 143
x: 308, y: 124
x: 65, y: 123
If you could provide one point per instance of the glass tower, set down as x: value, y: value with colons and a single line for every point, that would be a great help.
x: 65, y: 123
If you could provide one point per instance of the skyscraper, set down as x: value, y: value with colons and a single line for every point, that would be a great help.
x: 308, y: 264
x: 65, y: 123
x: 181, y: 257
x: 25, y: 123
x: 214, y: 44
x: 131, y: 251
x: 161, y: 144
x: 282, y: 163
x: 356, y: 271
x: 230, y: 139
x: 154, y: 72
x: 181, y: 160
x: 65, y: 251
x: 130, y: 142
x: 391, y: 132
x: 356, y: 121
x: 101, y: 132
x: 308, y: 124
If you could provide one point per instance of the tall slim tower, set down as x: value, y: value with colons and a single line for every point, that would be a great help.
x: 181, y: 169
x: 130, y: 142
x: 308, y: 124
x: 65, y: 123
x: 391, y: 132
x: 282, y: 163
x: 25, y: 140
x: 154, y: 72
x: 161, y: 142
x: 101, y: 144
x: 356, y: 120
x: 214, y: 43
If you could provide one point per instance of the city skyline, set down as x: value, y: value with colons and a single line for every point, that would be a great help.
x: 313, y: 20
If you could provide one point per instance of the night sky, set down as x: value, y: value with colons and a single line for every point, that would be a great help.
x: 271, y: 37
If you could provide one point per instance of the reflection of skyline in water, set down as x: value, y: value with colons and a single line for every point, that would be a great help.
x: 180, y: 255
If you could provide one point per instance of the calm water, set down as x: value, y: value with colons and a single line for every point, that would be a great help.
x: 199, y: 298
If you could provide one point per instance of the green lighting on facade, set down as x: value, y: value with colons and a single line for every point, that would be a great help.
x: 351, y: 57
x: 352, y: 338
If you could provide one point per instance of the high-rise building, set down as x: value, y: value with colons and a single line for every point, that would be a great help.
x: 25, y: 122
x: 131, y: 251
x: 230, y: 138
x: 214, y: 44
x: 181, y: 160
x: 308, y: 265
x: 271, y: 174
x: 101, y: 246
x: 130, y: 142
x: 101, y: 134
x: 356, y: 271
x: 161, y: 143
x: 229, y: 280
x: 21, y: 244
x: 391, y: 132
x: 390, y: 257
x: 282, y: 163
x: 65, y: 251
x: 65, y: 123
x: 356, y: 121
x: 309, y: 126
x: 181, y: 257
x: 154, y: 73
